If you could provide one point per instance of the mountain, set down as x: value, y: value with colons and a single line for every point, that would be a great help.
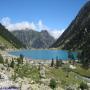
x: 34, y: 39
x: 8, y: 40
x: 77, y: 35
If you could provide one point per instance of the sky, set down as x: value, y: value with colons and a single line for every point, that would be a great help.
x: 53, y: 15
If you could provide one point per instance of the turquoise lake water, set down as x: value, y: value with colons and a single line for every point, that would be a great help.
x: 43, y: 54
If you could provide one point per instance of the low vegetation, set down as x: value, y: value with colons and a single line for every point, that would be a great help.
x: 61, y: 76
x: 1, y: 59
x: 53, y: 84
x: 27, y: 71
x: 82, y: 71
x: 83, y: 86
x: 5, y: 44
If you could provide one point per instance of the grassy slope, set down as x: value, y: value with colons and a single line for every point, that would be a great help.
x: 82, y: 71
x: 5, y: 43
x: 60, y: 75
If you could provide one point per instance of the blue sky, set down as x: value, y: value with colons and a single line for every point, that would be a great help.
x: 54, y: 14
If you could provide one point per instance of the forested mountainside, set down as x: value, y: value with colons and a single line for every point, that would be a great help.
x: 34, y: 39
x: 8, y: 40
x: 77, y: 35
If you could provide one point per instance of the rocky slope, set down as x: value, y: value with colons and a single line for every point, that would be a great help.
x: 34, y: 39
x: 77, y: 35
x: 8, y: 40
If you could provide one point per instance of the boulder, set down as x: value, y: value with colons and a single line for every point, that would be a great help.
x: 88, y: 84
x: 42, y: 71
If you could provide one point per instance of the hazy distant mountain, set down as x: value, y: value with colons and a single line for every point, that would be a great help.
x: 77, y: 35
x: 34, y: 39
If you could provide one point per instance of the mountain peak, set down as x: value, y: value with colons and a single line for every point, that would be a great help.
x: 75, y: 37
x: 35, y: 39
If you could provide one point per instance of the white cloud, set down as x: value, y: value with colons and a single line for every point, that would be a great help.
x: 17, y: 26
x: 41, y: 26
x: 56, y: 33
x: 6, y: 21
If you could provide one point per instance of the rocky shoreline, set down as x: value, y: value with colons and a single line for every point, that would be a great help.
x: 23, y: 83
x: 11, y: 79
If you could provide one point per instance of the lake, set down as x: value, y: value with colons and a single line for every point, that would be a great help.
x: 43, y: 54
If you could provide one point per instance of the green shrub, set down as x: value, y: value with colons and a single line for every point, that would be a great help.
x: 83, y: 86
x: 1, y: 59
x: 12, y: 64
x: 53, y: 83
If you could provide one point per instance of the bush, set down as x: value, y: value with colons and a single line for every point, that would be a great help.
x: 52, y: 63
x: 6, y: 61
x: 12, y: 64
x: 20, y: 59
x: 1, y: 59
x: 53, y: 83
x: 83, y: 86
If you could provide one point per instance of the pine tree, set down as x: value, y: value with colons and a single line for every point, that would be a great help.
x: 71, y: 57
x: 52, y: 62
x: 12, y: 63
x: 20, y: 59
x: 57, y: 62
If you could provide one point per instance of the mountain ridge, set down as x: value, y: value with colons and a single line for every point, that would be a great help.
x: 75, y: 36
x: 7, y: 38
x: 34, y: 39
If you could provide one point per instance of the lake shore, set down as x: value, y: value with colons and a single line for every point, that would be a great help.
x: 51, y: 72
x: 43, y: 54
x: 9, y: 56
x: 24, y: 83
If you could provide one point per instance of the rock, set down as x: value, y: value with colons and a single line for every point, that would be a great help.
x: 45, y: 81
x: 3, y: 76
x: 7, y: 84
x: 25, y: 86
x: 32, y: 82
x: 19, y: 80
x: 35, y: 87
x: 44, y: 87
x: 71, y: 87
x: 40, y: 87
x: 88, y: 84
x: 72, y: 67
x: 59, y: 88
x: 42, y: 74
x: 42, y: 71
x: 2, y: 67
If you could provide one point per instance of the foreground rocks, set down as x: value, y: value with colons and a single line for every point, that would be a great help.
x: 22, y: 83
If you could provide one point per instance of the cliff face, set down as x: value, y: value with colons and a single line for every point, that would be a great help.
x: 34, y: 39
x: 77, y: 35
